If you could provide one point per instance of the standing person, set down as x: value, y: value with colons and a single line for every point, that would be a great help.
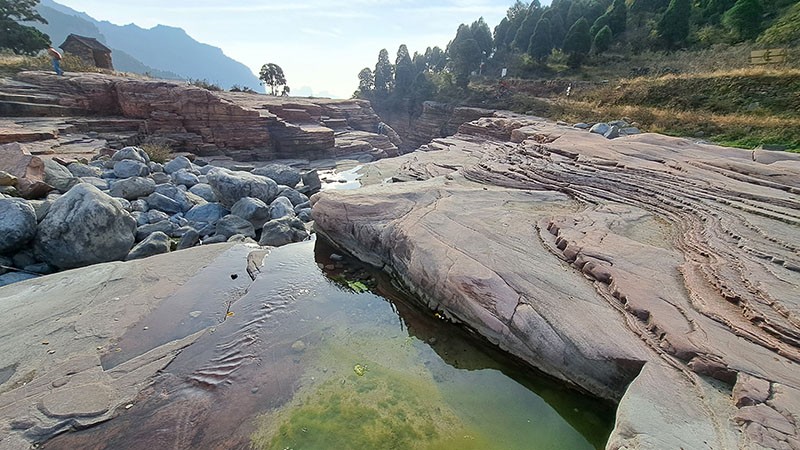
x: 56, y: 59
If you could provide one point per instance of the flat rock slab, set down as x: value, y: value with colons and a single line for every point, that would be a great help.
x: 649, y: 270
x: 58, y: 332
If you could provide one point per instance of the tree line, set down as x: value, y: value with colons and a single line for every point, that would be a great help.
x: 574, y: 30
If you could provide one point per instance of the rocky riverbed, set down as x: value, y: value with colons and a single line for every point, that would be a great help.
x: 654, y: 271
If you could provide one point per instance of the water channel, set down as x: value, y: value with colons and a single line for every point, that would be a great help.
x: 325, y: 354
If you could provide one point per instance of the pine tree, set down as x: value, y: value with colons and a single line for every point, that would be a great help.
x: 383, y: 75
x: 482, y: 35
x: 403, y: 72
x: 19, y: 38
x: 618, y: 17
x: 523, y: 37
x: 744, y: 19
x: 673, y: 28
x: 541, y: 43
x: 578, y: 43
x: 366, y: 84
x: 602, y: 41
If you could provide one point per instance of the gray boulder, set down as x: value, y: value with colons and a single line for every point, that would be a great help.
x: 164, y: 226
x: 600, y: 128
x: 160, y: 177
x: 133, y: 188
x: 208, y: 213
x: 179, y: 163
x: 155, y: 244
x: 139, y: 205
x: 630, y: 131
x: 156, y: 167
x: 99, y: 183
x: 612, y: 133
x: 83, y: 227
x: 204, y: 191
x: 15, y: 277
x: 582, y: 126
x: 253, y: 210
x: 177, y: 193
x: 230, y: 186
x: 280, y: 173
x: 155, y: 216
x: 131, y: 154
x: 184, y: 177
x: 130, y: 168
x: 311, y: 183
x: 283, y: 231
x: 189, y: 239
x: 84, y: 170
x: 41, y: 207
x: 216, y: 239
x: 59, y: 176
x: 281, y: 207
x: 294, y: 196
x: 139, y: 217
x: 17, y: 224
x: 163, y: 203
x: 305, y: 215
x: 231, y: 225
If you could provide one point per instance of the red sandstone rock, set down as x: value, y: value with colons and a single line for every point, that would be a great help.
x: 28, y: 169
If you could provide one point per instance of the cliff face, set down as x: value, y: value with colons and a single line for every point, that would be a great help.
x: 436, y: 120
x: 242, y: 126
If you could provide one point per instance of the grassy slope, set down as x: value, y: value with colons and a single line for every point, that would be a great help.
x: 741, y: 107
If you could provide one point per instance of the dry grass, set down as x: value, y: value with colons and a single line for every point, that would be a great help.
x: 157, y: 150
x: 11, y: 64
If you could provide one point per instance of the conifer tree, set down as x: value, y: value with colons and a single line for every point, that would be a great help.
x: 541, y: 44
x: 744, y: 19
x: 673, y: 28
x: 602, y: 41
x: 383, y: 75
x: 578, y: 43
x: 403, y: 72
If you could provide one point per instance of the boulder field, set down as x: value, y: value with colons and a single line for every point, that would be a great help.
x: 653, y: 271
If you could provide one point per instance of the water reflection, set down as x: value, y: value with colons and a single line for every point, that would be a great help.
x: 283, y: 372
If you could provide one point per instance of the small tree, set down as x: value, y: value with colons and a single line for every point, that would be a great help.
x: 602, y: 41
x: 673, y: 28
x: 744, y: 19
x: 383, y: 75
x: 272, y: 76
x: 540, y: 45
x: 578, y: 43
x: 19, y: 38
x: 366, y: 83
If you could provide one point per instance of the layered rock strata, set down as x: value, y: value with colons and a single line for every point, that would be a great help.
x: 649, y: 270
x: 242, y: 126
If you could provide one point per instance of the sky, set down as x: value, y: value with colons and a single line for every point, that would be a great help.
x: 321, y: 45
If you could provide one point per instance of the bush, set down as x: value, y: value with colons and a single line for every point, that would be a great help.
x: 158, y: 150
x: 205, y: 84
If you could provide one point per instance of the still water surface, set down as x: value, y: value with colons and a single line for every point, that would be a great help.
x: 306, y: 362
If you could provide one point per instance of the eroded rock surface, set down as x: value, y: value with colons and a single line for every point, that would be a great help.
x: 650, y: 270
x: 59, y: 331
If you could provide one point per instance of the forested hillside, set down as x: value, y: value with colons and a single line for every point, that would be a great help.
x: 584, y: 40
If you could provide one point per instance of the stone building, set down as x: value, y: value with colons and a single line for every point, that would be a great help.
x: 90, y: 50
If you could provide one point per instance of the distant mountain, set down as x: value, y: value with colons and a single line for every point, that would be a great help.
x: 162, y: 51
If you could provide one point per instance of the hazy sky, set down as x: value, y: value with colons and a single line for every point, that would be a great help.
x: 321, y: 45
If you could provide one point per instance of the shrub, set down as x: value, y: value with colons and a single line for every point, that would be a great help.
x: 158, y: 150
x: 205, y: 84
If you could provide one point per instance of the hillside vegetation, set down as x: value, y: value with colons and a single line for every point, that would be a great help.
x: 675, y: 66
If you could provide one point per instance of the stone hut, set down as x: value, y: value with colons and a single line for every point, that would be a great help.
x: 90, y: 50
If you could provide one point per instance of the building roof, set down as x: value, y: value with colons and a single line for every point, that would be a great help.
x: 92, y: 43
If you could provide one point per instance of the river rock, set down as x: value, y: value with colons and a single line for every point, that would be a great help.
x: 155, y: 244
x: 163, y: 203
x: 155, y: 216
x: 132, y: 188
x: 131, y: 154
x: 294, y: 196
x: 189, y: 239
x: 160, y: 177
x: 280, y: 173
x: 612, y: 133
x: 139, y: 205
x: 184, y: 177
x: 600, y: 128
x: 204, y: 191
x: 164, y: 226
x: 311, y: 182
x: 282, y: 231
x: 230, y: 186
x: 6, y: 179
x: 99, y: 183
x: 129, y: 168
x: 15, y: 277
x: 177, y: 164
x: 59, y: 176
x: 253, y: 210
x: 83, y: 227
x: 84, y: 170
x: 17, y: 224
x: 281, y: 207
x: 232, y: 224
x: 27, y: 169
x: 209, y: 213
